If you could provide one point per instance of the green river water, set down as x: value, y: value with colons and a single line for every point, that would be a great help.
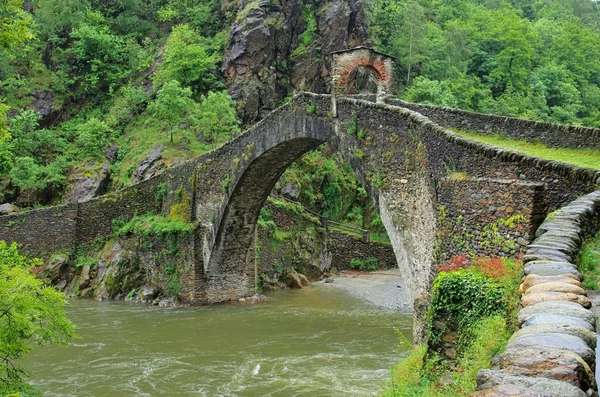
x: 318, y: 341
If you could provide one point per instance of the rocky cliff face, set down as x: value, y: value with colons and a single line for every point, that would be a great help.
x: 277, y: 46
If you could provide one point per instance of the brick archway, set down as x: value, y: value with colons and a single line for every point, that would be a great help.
x: 347, y: 61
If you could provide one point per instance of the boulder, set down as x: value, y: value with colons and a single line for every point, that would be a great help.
x: 554, y: 341
x: 88, y: 181
x: 8, y: 208
x: 150, y: 165
x: 536, y: 297
x: 293, y: 279
x: 589, y: 337
x: 57, y: 267
x: 534, y: 280
x: 556, y: 308
x: 566, y: 287
x: 555, y: 364
x: 487, y: 379
x: 557, y: 319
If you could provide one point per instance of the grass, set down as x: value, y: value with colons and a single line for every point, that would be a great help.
x: 144, y: 134
x: 588, y: 158
x: 588, y: 260
x: 375, y: 237
x: 418, y: 376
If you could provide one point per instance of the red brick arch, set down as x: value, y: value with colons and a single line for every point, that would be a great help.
x: 376, y: 66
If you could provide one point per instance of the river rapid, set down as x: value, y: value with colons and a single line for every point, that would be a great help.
x: 318, y: 341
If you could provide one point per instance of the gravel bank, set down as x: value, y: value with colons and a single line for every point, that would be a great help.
x: 382, y: 288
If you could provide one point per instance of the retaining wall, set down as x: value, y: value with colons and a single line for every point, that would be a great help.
x: 553, y: 352
x: 553, y: 135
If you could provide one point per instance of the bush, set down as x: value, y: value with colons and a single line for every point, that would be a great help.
x: 30, y: 312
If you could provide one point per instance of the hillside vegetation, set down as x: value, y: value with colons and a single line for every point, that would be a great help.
x: 96, y: 95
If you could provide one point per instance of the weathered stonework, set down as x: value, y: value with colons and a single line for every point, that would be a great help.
x: 489, y: 217
x: 554, y: 350
x: 347, y: 61
x: 399, y: 155
x: 552, y: 135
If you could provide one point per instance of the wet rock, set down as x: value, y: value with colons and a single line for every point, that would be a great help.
x: 567, y: 287
x: 88, y: 182
x: 293, y: 279
x: 148, y: 293
x: 555, y: 341
x: 589, y: 337
x: 548, y: 363
x: 111, y: 153
x: 534, y: 280
x: 549, y: 268
x: 169, y: 302
x: 8, y: 208
x: 150, y: 165
x: 557, y: 308
x: 508, y: 391
x: 84, y: 278
x: 56, y: 268
x: 545, y: 387
x: 557, y: 319
x: 537, y: 297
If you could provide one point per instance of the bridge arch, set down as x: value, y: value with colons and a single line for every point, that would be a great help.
x: 228, y: 256
x: 345, y: 63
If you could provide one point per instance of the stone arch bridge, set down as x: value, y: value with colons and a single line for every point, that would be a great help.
x: 437, y: 192
x: 407, y: 162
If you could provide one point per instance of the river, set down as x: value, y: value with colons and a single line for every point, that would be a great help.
x: 318, y: 341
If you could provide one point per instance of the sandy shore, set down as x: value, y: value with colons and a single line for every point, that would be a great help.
x: 382, y: 288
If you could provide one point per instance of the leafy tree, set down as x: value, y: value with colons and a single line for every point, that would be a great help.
x: 430, y: 91
x: 217, y: 116
x: 30, y: 313
x: 14, y: 24
x: 187, y: 60
x: 93, y: 138
x: 172, y: 104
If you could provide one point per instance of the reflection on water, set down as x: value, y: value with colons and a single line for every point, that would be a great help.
x: 313, y: 342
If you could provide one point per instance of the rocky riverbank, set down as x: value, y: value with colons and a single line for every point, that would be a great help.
x: 382, y: 288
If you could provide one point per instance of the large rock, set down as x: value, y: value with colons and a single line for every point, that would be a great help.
x: 589, y: 337
x: 554, y: 341
x: 293, y: 279
x: 8, y: 208
x: 88, y: 181
x: 150, y: 165
x: 557, y: 319
x: 535, y: 280
x: 57, y: 267
x: 555, y: 364
x: 258, y: 65
x: 487, y: 379
x: 537, y: 297
x: 558, y: 308
x: 557, y: 286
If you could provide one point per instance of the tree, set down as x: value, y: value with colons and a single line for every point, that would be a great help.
x: 217, y: 116
x: 30, y: 313
x: 172, y: 104
x: 14, y: 24
x: 187, y: 60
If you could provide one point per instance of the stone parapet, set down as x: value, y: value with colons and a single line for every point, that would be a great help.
x: 553, y: 352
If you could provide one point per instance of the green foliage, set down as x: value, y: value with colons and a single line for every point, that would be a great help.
x: 172, y: 274
x: 30, y: 313
x: 152, y: 225
x: 161, y: 192
x: 417, y: 374
x: 172, y: 104
x: 305, y: 39
x: 216, y: 117
x: 93, y: 138
x: 465, y: 296
x: 510, y: 58
x: 581, y: 157
x: 588, y: 259
x: 188, y: 59
x: 370, y: 263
